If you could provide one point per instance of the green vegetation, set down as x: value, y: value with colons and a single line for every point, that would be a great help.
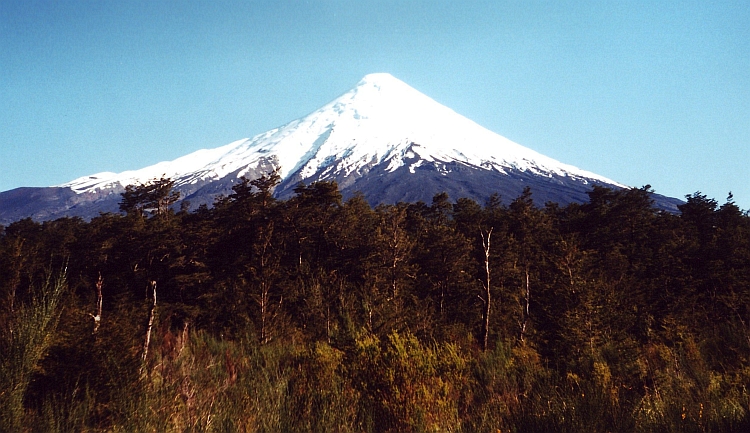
x: 321, y: 315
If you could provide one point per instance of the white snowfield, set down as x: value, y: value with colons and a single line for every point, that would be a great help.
x: 381, y: 120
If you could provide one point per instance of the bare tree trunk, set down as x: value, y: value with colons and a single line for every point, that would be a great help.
x: 398, y: 248
x: 98, y: 317
x: 265, y: 272
x: 487, y: 292
x: 328, y: 323
x: 395, y: 245
x: 147, y: 340
x: 15, y: 281
x: 525, y: 312
x: 184, y: 337
x: 264, y: 295
x: 443, y: 284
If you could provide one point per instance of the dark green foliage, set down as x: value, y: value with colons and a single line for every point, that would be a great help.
x: 317, y: 314
x: 153, y: 197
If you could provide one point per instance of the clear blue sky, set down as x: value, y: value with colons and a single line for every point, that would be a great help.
x: 638, y: 91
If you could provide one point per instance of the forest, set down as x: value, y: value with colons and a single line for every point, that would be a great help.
x: 318, y: 314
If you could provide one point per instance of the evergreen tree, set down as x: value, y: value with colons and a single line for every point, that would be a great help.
x: 153, y: 197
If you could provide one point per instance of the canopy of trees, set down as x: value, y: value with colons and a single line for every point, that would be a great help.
x: 317, y: 314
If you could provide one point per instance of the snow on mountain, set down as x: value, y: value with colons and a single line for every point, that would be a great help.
x: 382, y: 139
x: 381, y: 120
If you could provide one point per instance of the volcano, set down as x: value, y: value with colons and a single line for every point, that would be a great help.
x: 382, y: 138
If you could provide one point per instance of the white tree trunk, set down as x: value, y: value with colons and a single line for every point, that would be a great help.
x: 487, y: 292
x: 147, y: 340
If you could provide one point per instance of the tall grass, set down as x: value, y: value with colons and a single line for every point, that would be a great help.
x: 24, y: 339
x: 199, y: 382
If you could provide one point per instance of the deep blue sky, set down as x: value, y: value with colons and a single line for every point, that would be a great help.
x: 638, y: 91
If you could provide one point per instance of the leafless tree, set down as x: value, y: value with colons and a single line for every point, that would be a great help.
x: 147, y: 340
x: 487, y: 299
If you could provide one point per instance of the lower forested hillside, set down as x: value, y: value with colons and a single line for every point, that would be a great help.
x: 315, y: 314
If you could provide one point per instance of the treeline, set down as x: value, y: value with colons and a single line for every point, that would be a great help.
x: 318, y: 314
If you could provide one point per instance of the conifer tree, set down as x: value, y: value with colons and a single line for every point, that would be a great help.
x: 154, y: 197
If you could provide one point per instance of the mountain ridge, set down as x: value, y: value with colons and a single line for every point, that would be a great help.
x: 379, y: 108
x: 382, y: 137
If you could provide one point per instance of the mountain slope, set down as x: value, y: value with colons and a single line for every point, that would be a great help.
x: 382, y: 138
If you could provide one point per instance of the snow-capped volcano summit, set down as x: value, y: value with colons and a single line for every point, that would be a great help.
x: 382, y: 138
x: 381, y: 120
